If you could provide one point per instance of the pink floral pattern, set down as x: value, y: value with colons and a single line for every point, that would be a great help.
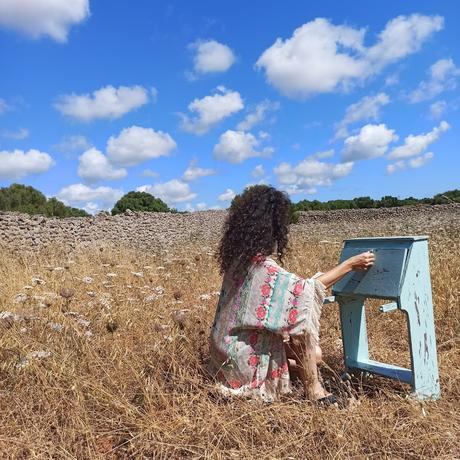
x: 253, y: 319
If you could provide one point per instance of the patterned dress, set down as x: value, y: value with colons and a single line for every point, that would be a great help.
x: 254, y: 318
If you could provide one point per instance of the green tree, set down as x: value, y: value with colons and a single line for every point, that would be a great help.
x: 140, y: 201
x: 26, y: 199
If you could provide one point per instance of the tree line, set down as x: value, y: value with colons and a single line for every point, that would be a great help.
x: 26, y: 199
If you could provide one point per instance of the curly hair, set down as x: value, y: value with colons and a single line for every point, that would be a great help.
x: 258, y: 220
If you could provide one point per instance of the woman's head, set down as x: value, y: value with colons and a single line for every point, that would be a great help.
x: 257, y: 223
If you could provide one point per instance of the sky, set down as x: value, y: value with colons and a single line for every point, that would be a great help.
x: 194, y: 101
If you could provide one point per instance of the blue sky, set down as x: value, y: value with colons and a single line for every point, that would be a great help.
x: 192, y: 101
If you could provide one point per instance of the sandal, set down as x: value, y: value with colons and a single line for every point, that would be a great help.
x: 327, y: 401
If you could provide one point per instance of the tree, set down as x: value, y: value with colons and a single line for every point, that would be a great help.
x: 26, y: 199
x: 140, y: 201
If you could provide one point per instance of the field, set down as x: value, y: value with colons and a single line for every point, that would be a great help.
x: 103, y: 356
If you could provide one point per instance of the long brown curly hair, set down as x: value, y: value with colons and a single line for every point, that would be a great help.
x: 257, y: 222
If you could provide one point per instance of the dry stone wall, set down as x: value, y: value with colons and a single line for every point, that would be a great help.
x: 160, y: 230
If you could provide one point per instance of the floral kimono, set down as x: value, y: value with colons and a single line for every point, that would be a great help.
x: 254, y: 318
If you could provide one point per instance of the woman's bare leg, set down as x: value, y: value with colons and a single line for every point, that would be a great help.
x: 307, y: 355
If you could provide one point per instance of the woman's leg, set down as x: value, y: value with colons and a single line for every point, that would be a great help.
x: 307, y: 355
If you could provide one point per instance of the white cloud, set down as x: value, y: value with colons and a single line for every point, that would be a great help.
x: 211, y: 110
x: 77, y: 194
x: 321, y: 57
x: 211, y: 57
x: 20, y: 134
x: 238, y: 146
x: 4, y: 107
x: 257, y: 115
x: 18, y: 164
x: 414, y: 145
x: 107, y: 102
x: 323, y: 154
x: 371, y: 142
x: 417, y: 162
x: 310, y: 173
x: 94, y: 166
x: 437, y: 109
x: 392, y: 79
x: 72, y: 144
x: 228, y: 195
x: 367, y: 108
x: 149, y: 173
x: 258, y: 171
x: 443, y: 76
x: 36, y: 18
x: 194, y: 172
x: 173, y: 191
x: 135, y: 145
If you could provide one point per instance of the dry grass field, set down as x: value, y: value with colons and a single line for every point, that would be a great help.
x: 103, y: 354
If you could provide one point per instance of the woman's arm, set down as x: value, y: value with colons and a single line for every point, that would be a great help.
x: 360, y: 262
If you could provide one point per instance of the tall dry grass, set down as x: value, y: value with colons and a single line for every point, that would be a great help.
x: 120, y: 370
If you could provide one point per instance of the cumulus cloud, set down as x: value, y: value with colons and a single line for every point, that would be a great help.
x: 257, y: 115
x: 310, y: 173
x: 173, y: 191
x: 73, y: 144
x: 94, y: 166
x: 321, y: 57
x: 442, y: 77
x: 211, y: 110
x: 135, y: 145
x: 17, y: 164
x: 228, y: 195
x: 149, y: 173
x: 107, y: 102
x: 414, y: 145
x: 367, y: 108
x: 211, y: 57
x: 20, y: 134
x: 238, y: 146
x: 437, y: 109
x: 194, y: 172
x: 372, y: 141
x: 258, y: 171
x: 92, y: 198
x: 416, y: 162
x: 37, y: 18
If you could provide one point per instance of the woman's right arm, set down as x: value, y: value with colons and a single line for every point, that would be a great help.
x: 360, y: 262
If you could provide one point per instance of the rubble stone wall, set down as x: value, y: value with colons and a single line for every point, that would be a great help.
x: 156, y: 230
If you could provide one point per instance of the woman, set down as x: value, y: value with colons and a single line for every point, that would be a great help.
x: 266, y: 314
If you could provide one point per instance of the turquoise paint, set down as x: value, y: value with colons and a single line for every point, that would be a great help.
x: 401, y: 273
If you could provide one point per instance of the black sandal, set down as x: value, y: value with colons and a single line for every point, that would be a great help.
x: 327, y: 401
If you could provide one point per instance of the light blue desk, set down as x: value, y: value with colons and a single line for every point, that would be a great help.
x: 401, y: 273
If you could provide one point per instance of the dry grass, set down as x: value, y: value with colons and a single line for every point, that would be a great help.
x: 130, y: 383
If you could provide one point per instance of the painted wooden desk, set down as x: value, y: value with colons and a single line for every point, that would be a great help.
x: 401, y: 273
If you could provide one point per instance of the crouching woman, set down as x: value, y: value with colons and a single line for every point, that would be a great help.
x: 267, y: 315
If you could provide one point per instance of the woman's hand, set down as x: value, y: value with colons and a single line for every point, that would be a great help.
x: 361, y: 262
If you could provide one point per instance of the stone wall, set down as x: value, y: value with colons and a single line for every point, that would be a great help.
x: 157, y: 230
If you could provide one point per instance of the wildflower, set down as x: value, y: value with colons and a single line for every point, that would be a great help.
x: 67, y: 293
x: 159, y: 290
x: 204, y: 296
x: 82, y: 321
x: 20, y: 298
x: 138, y: 274
x: 87, y: 279
x: 91, y: 293
x: 56, y: 327
x: 88, y: 334
x: 180, y: 316
x: 24, y: 362
x: 151, y: 298
x: 36, y: 280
